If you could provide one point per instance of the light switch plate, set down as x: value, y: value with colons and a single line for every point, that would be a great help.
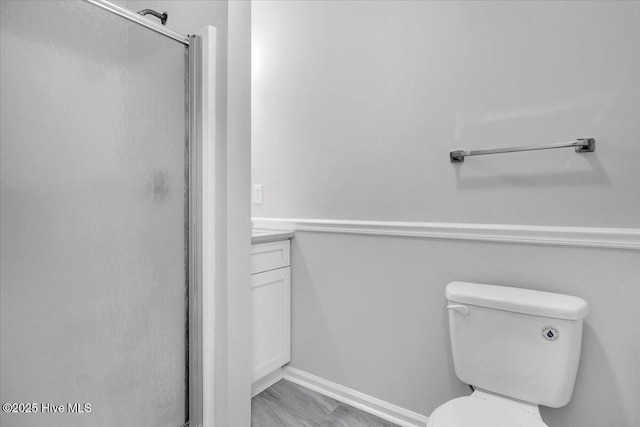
x: 257, y: 194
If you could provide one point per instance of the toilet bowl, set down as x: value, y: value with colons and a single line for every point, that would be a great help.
x: 483, y: 409
x: 518, y: 348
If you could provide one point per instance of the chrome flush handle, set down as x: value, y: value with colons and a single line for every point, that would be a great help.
x: 460, y: 309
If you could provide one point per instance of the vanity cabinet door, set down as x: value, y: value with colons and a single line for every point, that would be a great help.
x: 271, y: 321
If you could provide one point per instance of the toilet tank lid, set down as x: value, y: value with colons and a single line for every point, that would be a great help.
x: 518, y: 300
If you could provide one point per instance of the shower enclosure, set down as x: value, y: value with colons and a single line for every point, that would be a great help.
x: 97, y: 236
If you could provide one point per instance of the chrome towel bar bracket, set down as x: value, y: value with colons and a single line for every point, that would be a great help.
x: 582, y: 145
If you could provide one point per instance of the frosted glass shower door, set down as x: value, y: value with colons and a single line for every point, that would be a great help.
x: 93, y: 208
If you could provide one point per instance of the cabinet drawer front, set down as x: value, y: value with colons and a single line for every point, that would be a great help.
x: 271, y: 321
x: 269, y: 256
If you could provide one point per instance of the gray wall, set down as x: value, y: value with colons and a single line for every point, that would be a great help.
x: 356, y: 106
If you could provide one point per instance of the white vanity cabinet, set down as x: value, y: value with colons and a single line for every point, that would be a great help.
x: 271, y: 313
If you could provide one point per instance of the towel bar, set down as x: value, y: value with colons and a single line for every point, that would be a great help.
x: 582, y: 145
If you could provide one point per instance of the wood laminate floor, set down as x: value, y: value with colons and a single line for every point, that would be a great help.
x: 286, y: 404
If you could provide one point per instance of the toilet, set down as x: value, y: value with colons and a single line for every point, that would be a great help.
x: 518, y: 348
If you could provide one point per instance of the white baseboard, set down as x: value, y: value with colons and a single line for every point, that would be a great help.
x: 267, y: 381
x: 595, y: 237
x: 377, y: 407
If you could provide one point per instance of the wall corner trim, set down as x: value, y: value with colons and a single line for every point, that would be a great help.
x: 595, y: 237
x: 377, y: 407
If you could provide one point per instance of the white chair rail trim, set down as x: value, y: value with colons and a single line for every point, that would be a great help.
x: 596, y: 237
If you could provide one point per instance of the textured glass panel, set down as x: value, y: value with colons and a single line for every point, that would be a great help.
x: 92, y: 217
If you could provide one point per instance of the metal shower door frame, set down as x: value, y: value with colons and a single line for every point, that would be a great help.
x: 195, y: 281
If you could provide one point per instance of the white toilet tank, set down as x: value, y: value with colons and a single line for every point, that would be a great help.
x: 520, y: 343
